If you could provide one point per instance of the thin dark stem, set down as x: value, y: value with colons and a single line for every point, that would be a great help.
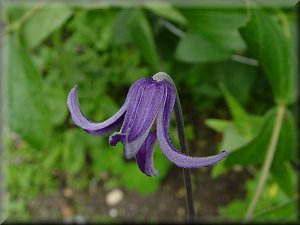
x: 185, y: 150
x: 183, y: 147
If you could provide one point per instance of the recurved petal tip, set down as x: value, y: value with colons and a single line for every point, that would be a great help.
x: 185, y: 161
x: 225, y: 153
x: 166, y: 146
x: 91, y: 127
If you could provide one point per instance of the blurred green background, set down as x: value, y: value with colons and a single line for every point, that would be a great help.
x: 235, y: 71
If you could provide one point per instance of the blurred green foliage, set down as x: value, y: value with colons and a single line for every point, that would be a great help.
x: 274, y: 205
x: 208, y: 52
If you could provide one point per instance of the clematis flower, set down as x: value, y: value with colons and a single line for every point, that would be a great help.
x: 143, y: 118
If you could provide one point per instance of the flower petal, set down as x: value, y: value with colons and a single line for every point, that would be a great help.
x: 132, y: 148
x: 104, y: 127
x: 144, y: 157
x: 91, y: 127
x: 140, y: 116
x: 166, y: 146
x: 116, y: 137
x: 142, y: 112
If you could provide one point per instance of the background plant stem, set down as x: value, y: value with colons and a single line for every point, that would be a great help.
x: 27, y: 15
x: 267, y: 162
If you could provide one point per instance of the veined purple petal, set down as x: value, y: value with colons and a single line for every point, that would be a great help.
x: 165, y: 144
x: 144, y: 157
x: 132, y: 107
x: 116, y: 137
x: 104, y: 127
x: 130, y: 148
x: 143, y: 109
x: 113, y: 126
x: 140, y: 116
x: 149, y: 105
x: 91, y: 127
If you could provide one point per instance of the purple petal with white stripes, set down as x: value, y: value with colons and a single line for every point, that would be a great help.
x: 139, y: 118
x: 104, y: 127
x: 165, y: 144
x: 144, y: 157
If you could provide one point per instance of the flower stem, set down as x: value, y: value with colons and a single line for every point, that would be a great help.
x: 183, y: 147
x: 268, y: 161
x: 186, y: 171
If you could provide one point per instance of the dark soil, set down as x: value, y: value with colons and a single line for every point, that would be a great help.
x: 166, y: 205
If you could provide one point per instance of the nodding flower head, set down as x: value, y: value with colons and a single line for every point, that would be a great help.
x: 143, y: 118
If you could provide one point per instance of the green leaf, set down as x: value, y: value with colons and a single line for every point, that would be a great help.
x: 203, y: 80
x: 42, y: 23
x: 194, y: 48
x: 217, y: 124
x: 237, y: 77
x: 218, y: 169
x: 240, y: 117
x: 275, y: 52
x: 246, y: 124
x: 103, y: 157
x: 283, y: 174
x: 167, y: 11
x: 270, y: 207
x: 142, y: 36
x: 219, y: 26
x: 286, y: 212
x: 233, y: 138
x: 254, y: 152
x: 133, y: 178
x: 92, y: 29
x: 73, y: 150
x: 53, y: 156
x: 212, y: 35
x: 120, y: 32
x: 55, y: 97
x: 28, y: 114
